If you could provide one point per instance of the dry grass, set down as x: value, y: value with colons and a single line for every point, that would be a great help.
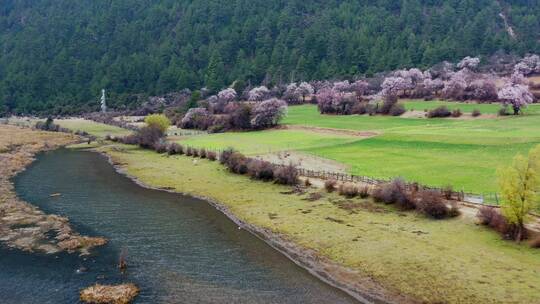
x: 408, y: 253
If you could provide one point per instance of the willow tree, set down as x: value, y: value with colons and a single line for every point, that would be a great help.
x: 520, y: 186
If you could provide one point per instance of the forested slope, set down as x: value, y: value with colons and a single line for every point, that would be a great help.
x: 58, y: 54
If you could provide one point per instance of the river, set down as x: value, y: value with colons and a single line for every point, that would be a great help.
x: 179, y: 249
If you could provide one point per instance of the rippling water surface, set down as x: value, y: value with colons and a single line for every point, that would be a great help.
x: 179, y: 249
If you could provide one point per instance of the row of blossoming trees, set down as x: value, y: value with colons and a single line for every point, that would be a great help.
x: 259, y: 107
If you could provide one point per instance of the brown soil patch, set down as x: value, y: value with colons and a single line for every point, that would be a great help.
x: 305, y: 161
x: 361, y: 134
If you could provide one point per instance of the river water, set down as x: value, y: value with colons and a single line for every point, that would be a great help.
x: 179, y: 249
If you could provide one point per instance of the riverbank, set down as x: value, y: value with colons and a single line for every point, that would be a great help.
x: 370, y: 250
x: 22, y: 225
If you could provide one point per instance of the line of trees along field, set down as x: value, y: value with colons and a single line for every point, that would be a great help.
x: 56, y: 55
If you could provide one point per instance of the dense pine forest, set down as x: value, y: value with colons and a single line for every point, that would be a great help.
x: 56, y: 55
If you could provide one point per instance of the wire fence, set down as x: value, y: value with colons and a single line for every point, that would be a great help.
x: 487, y: 198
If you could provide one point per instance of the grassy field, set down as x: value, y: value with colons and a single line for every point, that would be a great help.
x: 75, y: 124
x: 450, y: 261
x: 95, y: 128
x: 465, y: 107
x: 438, y: 152
x: 462, y: 153
x: 268, y: 141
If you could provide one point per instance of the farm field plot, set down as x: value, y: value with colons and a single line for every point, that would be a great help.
x: 438, y: 152
x: 262, y: 142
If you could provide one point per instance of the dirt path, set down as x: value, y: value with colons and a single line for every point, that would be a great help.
x: 305, y: 161
x: 361, y: 134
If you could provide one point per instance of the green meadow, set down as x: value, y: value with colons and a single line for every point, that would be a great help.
x: 463, y: 153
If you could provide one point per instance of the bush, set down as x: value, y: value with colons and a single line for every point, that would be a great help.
x: 189, y: 151
x: 211, y: 155
x: 260, y: 169
x: 202, y: 153
x: 492, y: 217
x: 237, y: 163
x: 397, y: 109
x: 456, y: 113
x: 441, y: 111
x: 348, y: 190
x: 286, y: 175
x: 389, y: 102
x: 225, y: 155
x: 158, y: 121
x: 160, y: 146
x: 330, y: 185
x: 47, y: 125
x: 195, y: 152
x: 174, y: 148
x: 363, y: 192
x: 394, y: 192
x: 430, y: 203
x: 146, y: 137
x: 535, y: 243
x: 476, y: 113
x: 503, y: 111
x: 360, y: 108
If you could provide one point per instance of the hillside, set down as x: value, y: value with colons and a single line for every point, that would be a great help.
x: 57, y: 55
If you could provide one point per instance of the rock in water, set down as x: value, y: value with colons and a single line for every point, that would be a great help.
x: 109, y: 294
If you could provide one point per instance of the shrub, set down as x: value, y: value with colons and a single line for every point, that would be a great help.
x: 397, y: 109
x: 158, y: 121
x: 47, y: 125
x: 456, y: 113
x: 189, y: 151
x: 476, y: 113
x: 268, y: 113
x: 260, y: 169
x: 173, y: 149
x: 286, y: 175
x: 348, y: 190
x: 146, y: 137
x: 202, y: 153
x: 240, y: 117
x: 160, y: 146
x: 430, y: 203
x: 195, y: 152
x: 492, y: 217
x: 363, y: 192
x: 394, y: 192
x: 330, y: 185
x: 360, y: 108
x: 211, y: 155
x: 237, y: 163
x: 535, y: 243
x: 225, y: 155
x: 389, y: 102
x: 503, y: 111
x: 441, y: 111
